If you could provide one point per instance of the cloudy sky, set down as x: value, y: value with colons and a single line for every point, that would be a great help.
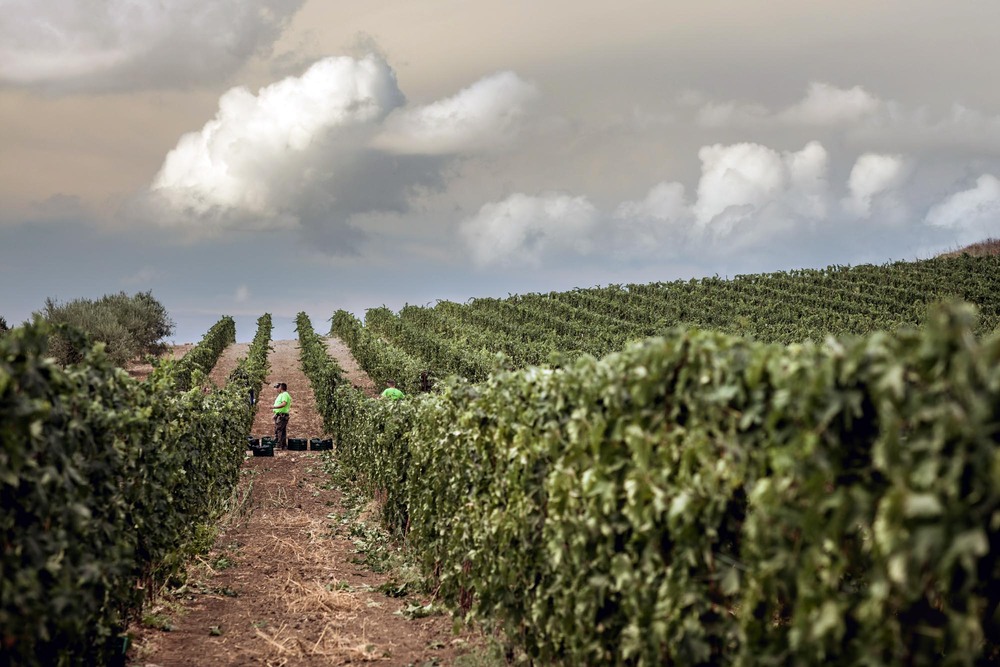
x: 248, y: 156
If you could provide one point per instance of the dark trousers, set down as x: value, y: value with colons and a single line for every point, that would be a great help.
x: 281, y: 431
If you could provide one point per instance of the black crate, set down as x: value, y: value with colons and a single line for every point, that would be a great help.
x: 320, y: 445
x: 263, y: 450
x: 253, y: 442
x: 297, y: 444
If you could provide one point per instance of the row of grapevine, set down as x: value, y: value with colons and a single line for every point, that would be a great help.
x: 370, y: 432
x: 783, y: 307
x: 796, y: 305
x: 105, y: 484
x: 382, y: 362
x: 704, y: 499
x: 202, y: 358
x: 435, y: 348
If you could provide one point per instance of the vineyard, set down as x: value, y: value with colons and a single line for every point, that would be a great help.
x: 549, y: 329
x: 788, y: 468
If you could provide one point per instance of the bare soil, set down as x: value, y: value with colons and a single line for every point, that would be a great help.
x: 353, y: 373
x: 284, y: 583
x: 227, y: 363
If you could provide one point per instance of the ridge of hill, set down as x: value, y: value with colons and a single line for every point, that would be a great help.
x: 990, y: 246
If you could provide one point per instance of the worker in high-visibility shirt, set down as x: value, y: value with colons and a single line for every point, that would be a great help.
x: 391, y: 391
x: 282, y: 411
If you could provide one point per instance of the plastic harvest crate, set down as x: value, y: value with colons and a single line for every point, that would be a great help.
x: 264, y: 449
x: 318, y: 444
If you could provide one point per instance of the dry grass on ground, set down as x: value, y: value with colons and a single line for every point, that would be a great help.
x: 981, y: 249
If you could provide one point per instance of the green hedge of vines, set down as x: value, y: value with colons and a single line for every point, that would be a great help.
x: 102, y: 479
x: 703, y: 499
x: 382, y: 361
x: 202, y: 357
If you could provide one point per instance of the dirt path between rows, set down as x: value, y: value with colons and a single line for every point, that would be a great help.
x: 284, y: 584
x: 227, y: 363
x: 353, y: 373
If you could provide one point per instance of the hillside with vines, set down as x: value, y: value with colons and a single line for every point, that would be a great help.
x: 798, y: 467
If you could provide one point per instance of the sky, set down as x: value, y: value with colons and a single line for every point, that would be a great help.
x: 236, y: 157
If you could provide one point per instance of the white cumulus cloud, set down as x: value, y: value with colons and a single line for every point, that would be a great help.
x: 261, y: 149
x: 807, y: 193
x: 483, y: 116
x: 522, y: 229
x: 872, y: 175
x: 134, y: 44
x: 747, y: 193
x: 310, y: 153
x: 973, y: 213
x: 864, y: 118
x: 742, y: 182
x: 825, y: 104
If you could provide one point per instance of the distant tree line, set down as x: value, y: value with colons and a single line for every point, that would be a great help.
x: 129, y: 326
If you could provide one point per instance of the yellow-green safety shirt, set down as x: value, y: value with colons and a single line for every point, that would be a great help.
x: 283, y: 396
